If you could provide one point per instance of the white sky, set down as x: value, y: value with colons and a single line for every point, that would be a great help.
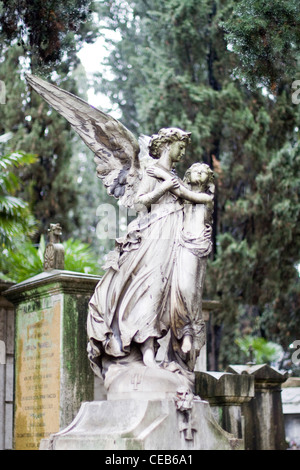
x: 92, y: 56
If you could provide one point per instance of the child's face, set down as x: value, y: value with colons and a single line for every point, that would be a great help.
x: 199, y: 175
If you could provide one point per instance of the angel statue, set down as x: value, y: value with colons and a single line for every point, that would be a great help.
x: 154, y: 277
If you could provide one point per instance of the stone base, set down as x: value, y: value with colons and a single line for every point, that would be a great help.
x: 142, y: 425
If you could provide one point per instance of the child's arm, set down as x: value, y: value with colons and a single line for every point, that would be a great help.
x: 192, y: 196
x: 181, y: 190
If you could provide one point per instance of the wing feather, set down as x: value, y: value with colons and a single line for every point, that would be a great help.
x: 115, y: 147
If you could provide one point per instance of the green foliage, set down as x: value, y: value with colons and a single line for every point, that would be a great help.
x: 43, y: 38
x: 174, y: 66
x: 263, y: 351
x: 47, y: 184
x: 27, y: 261
x: 187, y: 64
x: 79, y: 257
x: 46, y: 29
x: 16, y: 220
x: 266, y: 37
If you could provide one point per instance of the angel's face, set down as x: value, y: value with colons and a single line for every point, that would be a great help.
x: 177, y: 150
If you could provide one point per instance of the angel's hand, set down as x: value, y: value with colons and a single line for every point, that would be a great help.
x: 156, y: 172
x: 174, y: 182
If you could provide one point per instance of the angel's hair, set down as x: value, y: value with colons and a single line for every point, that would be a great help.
x: 166, y: 136
x: 210, y: 180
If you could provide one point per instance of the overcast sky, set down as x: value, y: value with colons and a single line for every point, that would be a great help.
x: 92, y: 56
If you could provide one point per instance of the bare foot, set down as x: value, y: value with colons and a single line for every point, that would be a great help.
x: 186, y: 344
x: 147, y: 349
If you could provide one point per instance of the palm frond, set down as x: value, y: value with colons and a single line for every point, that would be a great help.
x: 16, y: 159
x: 11, y: 206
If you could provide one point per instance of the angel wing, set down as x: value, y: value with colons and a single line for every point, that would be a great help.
x: 144, y: 158
x: 115, y: 147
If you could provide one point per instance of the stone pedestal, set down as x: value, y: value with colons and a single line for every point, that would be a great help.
x: 148, y: 408
x: 52, y: 373
x: 226, y: 394
x: 6, y: 368
x: 264, y: 423
x: 137, y: 424
x: 291, y: 411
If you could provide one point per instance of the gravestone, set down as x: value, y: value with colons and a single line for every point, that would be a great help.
x: 226, y: 394
x: 52, y: 373
x: 291, y: 411
x: 2, y: 353
x: 264, y: 422
x: 6, y: 368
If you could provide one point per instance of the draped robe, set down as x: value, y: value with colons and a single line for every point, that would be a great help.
x: 153, y: 284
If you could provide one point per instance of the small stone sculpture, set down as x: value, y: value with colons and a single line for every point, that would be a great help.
x: 184, y: 401
x: 54, y: 257
x: 154, y: 278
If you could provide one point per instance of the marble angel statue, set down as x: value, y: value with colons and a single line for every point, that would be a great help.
x: 154, y: 277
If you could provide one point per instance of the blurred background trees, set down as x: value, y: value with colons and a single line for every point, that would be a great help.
x: 224, y: 71
x: 218, y: 68
x: 43, y: 38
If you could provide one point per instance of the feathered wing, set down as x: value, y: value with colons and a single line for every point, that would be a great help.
x: 115, y: 147
x: 145, y: 159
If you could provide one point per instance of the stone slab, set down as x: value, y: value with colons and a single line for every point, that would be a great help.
x: 2, y: 352
x: 141, y: 425
x: 261, y: 372
x: 52, y: 372
x: 224, y: 387
x: 291, y: 401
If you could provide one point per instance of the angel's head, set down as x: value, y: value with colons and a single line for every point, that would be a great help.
x: 166, y: 137
x: 200, y: 175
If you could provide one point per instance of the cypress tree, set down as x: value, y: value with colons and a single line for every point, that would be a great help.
x: 185, y: 64
x: 43, y: 38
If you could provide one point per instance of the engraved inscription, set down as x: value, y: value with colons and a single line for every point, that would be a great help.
x: 37, y: 373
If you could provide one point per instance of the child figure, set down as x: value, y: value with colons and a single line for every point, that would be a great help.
x: 185, y: 316
x: 196, y: 245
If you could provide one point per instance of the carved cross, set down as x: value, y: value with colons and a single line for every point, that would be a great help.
x: 136, y: 379
x: 187, y: 425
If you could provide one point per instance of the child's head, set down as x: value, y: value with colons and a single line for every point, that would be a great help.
x: 201, y: 175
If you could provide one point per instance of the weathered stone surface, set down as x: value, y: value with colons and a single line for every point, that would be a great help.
x: 142, y: 425
x: 226, y: 393
x: 52, y: 372
x: 264, y: 423
x: 2, y: 352
x: 291, y: 410
x: 223, y: 387
x: 54, y: 256
x: 263, y: 373
x: 139, y: 383
x: 6, y: 367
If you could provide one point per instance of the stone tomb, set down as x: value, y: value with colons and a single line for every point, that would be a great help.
x: 137, y: 424
x: 291, y: 411
x: 264, y: 422
x: 52, y: 376
x: 6, y: 368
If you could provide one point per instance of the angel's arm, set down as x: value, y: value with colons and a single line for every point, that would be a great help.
x: 180, y: 190
x: 147, y: 196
